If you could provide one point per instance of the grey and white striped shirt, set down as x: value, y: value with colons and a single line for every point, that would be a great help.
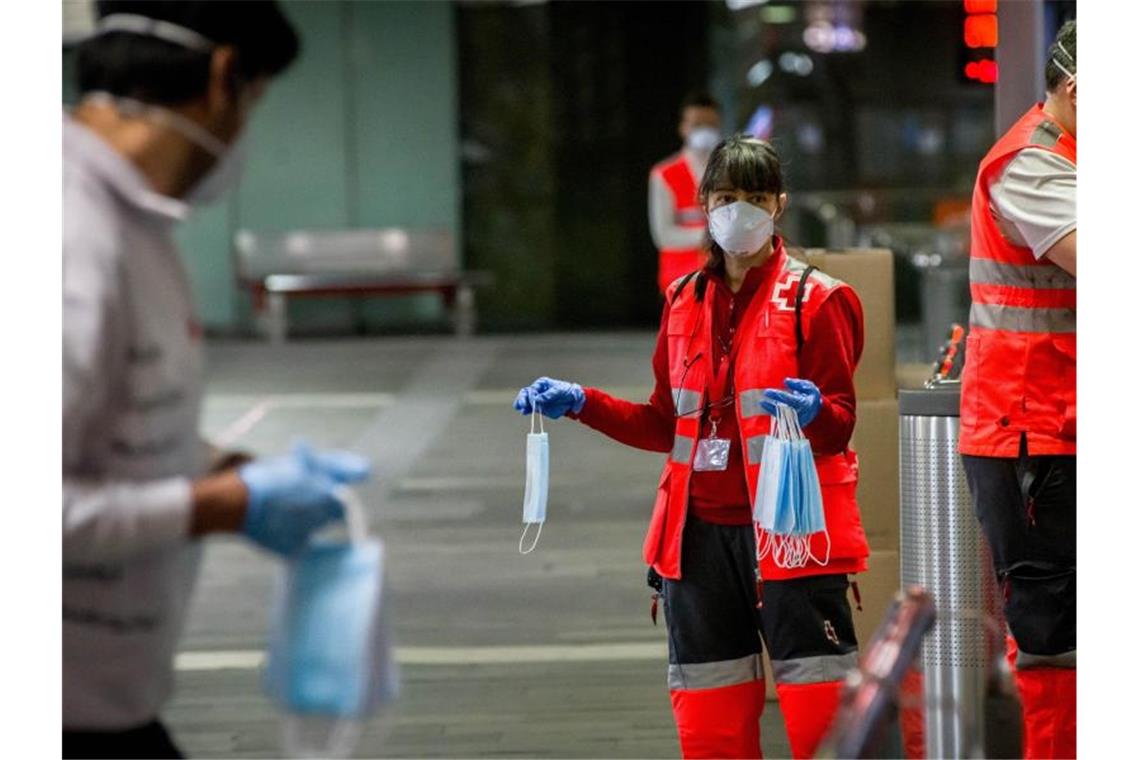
x: 131, y: 397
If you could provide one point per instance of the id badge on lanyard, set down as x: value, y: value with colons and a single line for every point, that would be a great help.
x: 712, y: 452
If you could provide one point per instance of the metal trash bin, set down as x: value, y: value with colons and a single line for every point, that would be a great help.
x: 942, y: 549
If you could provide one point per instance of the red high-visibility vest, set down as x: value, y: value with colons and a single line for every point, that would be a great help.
x: 768, y: 357
x: 678, y: 262
x: 1020, y: 374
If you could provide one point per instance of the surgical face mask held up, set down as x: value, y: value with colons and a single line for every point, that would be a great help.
x: 740, y: 228
x: 537, y: 481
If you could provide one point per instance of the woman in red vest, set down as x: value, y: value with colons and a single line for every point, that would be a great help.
x: 753, y: 328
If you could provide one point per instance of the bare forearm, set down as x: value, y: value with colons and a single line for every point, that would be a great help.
x: 1063, y: 253
x: 219, y: 504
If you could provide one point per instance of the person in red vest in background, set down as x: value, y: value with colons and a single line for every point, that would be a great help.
x: 1019, y: 393
x: 676, y: 219
x: 751, y: 329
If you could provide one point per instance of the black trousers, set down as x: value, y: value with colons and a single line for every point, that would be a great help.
x: 711, y: 612
x: 147, y: 741
x: 1027, y: 507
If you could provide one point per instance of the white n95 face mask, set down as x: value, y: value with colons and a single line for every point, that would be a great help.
x: 229, y: 158
x: 703, y: 139
x: 537, y: 481
x: 224, y: 175
x: 740, y: 228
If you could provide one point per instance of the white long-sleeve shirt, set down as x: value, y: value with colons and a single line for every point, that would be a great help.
x: 667, y: 234
x: 131, y: 399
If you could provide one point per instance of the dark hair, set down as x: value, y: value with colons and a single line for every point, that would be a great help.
x: 740, y: 162
x: 1067, y: 36
x: 156, y: 71
x: 698, y: 99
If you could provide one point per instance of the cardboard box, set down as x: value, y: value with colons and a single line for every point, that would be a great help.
x: 876, y: 440
x: 871, y: 272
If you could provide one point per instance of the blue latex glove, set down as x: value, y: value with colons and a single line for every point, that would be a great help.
x: 553, y: 398
x: 293, y: 496
x: 802, y: 396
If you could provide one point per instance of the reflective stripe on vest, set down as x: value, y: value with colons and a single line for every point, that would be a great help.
x: 1020, y: 319
x: 750, y: 403
x: 756, y: 448
x: 1042, y: 276
x: 715, y: 675
x: 682, y: 449
x: 828, y: 667
x: 686, y: 401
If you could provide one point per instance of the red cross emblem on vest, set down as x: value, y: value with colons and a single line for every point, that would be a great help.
x: 784, y: 295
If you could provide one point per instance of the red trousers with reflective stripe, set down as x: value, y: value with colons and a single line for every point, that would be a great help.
x: 808, y: 710
x: 1049, y: 710
x: 719, y: 723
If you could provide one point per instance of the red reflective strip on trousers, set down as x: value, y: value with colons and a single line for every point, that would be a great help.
x: 1028, y: 298
x: 719, y: 723
x: 808, y: 709
x: 1049, y: 709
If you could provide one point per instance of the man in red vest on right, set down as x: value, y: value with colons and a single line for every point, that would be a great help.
x: 676, y: 220
x: 1019, y: 394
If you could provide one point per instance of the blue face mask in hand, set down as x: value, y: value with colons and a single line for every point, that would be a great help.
x: 330, y: 663
x: 537, y: 481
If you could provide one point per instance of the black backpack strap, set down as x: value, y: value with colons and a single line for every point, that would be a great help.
x: 800, y: 309
x: 700, y: 286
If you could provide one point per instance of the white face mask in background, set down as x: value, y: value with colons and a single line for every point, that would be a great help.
x: 740, y: 228
x: 702, y: 139
x: 537, y: 481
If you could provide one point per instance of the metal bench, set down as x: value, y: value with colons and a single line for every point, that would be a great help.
x: 352, y: 263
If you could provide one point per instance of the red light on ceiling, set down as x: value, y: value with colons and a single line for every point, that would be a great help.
x: 981, y: 31
x: 981, y: 6
x: 985, y: 70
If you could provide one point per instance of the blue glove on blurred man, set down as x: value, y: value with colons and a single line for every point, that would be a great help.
x: 553, y: 398
x: 293, y: 496
x: 802, y: 396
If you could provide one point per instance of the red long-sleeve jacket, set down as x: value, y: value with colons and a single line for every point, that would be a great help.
x: 829, y: 356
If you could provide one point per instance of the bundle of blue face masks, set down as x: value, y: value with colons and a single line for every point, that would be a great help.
x: 330, y: 663
x: 788, y: 506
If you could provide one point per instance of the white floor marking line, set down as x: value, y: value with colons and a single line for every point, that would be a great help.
x: 485, y: 655
x: 305, y: 400
x: 242, y: 425
x: 263, y: 405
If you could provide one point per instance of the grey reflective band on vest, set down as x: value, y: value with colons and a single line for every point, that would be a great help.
x: 750, y: 403
x: 828, y: 667
x: 1036, y: 276
x: 756, y: 448
x: 1020, y: 319
x: 682, y: 449
x: 686, y: 401
x: 715, y: 675
x: 1063, y: 660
